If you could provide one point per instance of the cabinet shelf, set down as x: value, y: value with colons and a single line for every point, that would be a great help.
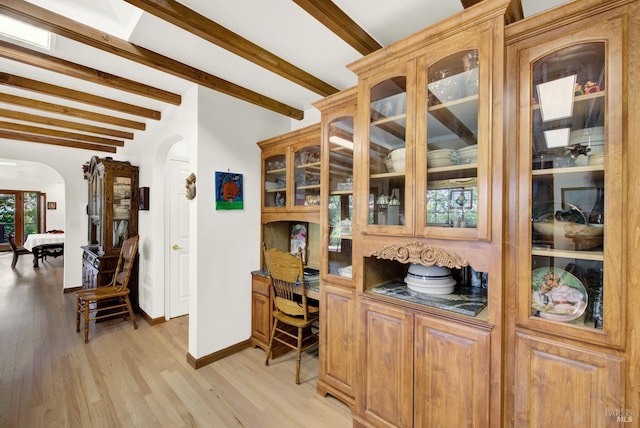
x: 568, y: 254
x: 387, y: 175
x: 341, y: 192
x: 312, y: 165
x: 276, y: 171
x: 580, y: 98
x: 281, y: 189
x: 463, y: 167
x: 454, y: 103
x: 568, y: 170
x: 310, y: 186
x: 388, y: 119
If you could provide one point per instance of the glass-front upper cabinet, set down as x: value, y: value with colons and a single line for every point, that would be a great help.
x: 572, y: 156
x: 122, y: 191
x: 340, y: 196
x: 275, y: 180
x: 306, y: 174
x: 390, y: 156
x: 454, y: 139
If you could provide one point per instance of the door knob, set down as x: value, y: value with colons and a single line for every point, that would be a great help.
x: 176, y: 247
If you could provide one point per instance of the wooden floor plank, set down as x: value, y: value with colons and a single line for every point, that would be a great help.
x: 125, y: 377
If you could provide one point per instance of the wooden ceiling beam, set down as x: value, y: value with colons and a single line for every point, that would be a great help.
x: 11, y: 135
x: 58, y: 65
x: 332, y: 17
x: 71, y: 111
x: 191, y: 21
x: 65, y: 27
x: 62, y: 134
x: 75, y: 95
x: 28, y: 117
x: 513, y: 13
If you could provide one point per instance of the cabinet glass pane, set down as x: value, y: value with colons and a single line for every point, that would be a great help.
x: 95, y: 212
x: 121, y: 209
x: 568, y: 189
x: 340, y: 206
x: 307, y: 176
x: 387, y: 152
x: 452, y: 141
x: 275, y: 181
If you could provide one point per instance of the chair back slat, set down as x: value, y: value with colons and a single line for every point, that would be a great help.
x: 286, y: 276
x: 125, y: 263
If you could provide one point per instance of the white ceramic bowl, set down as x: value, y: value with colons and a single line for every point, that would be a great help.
x: 398, y: 165
x: 388, y: 164
x: 440, y: 153
x: 442, y: 286
x: 398, y: 154
x: 428, y: 272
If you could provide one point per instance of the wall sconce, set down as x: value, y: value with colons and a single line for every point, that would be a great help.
x: 143, y: 199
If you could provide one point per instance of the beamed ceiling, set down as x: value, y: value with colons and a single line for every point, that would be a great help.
x: 116, y: 65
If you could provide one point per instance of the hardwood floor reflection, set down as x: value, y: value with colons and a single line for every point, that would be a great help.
x: 134, y: 378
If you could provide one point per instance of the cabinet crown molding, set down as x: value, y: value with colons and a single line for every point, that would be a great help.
x: 419, y: 253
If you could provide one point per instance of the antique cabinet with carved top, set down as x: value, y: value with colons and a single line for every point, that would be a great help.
x: 112, y: 215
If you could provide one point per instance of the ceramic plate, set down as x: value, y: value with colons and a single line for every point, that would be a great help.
x: 557, y: 294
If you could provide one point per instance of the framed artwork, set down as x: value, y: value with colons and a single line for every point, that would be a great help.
x: 298, y: 235
x: 229, y: 191
x: 52, y: 205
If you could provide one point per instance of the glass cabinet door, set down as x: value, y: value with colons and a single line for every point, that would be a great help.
x: 390, y: 157
x: 122, y: 192
x: 340, y: 203
x: 452, y: 141
x: 573, y: 194
x: 454, y: 145
x: 307, y: 176
x: 275, y: 181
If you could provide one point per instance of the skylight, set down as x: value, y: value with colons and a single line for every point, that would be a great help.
x: 18, y: 31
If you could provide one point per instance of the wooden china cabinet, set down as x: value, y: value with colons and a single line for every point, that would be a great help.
x: 573, y: 116
x: 428, y: 191
x: 337, y: 369
x: 291, y: 172
x: 112, y: 212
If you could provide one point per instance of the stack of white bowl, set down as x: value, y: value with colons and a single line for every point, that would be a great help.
x: 398, y: 159
x: 440, y: 157
x: 430, y: 279
x: 468, y: 154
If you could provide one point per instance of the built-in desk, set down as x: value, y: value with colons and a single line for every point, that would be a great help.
x: 262, y: 306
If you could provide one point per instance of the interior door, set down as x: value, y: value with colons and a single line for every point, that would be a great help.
x: 178, y: 209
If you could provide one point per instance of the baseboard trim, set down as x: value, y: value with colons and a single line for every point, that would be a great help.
x: 196, y: 363
x: 71, y: 289
x: 152, y: 321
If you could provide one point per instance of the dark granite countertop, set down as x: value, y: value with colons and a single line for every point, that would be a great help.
x: 312, y: 282
x: 464, y: 300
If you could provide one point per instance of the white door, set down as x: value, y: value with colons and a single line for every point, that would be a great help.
x: 178, y: 209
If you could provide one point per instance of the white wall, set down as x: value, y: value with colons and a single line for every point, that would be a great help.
x: 226, y: 243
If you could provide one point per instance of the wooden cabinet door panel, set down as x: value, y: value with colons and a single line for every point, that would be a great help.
x: 452, y: 382
x: 260, y: 320
x: 337, y: 355
x: 386, y: 359
x: 561, y: 385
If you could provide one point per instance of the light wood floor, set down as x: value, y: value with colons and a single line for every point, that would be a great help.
x: 134, y: 378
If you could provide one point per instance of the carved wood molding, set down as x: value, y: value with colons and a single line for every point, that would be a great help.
x: 419, y: 253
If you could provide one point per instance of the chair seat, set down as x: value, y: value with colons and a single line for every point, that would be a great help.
x: 294, y: 321
x: 113, y: 300
x: 99, y: 295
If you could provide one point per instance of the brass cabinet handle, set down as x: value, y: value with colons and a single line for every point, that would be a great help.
x: 176, y: 247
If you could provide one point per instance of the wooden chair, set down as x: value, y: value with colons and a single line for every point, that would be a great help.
x: 291, y: 309
x: 17, y: 251
x: 113, y: 299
